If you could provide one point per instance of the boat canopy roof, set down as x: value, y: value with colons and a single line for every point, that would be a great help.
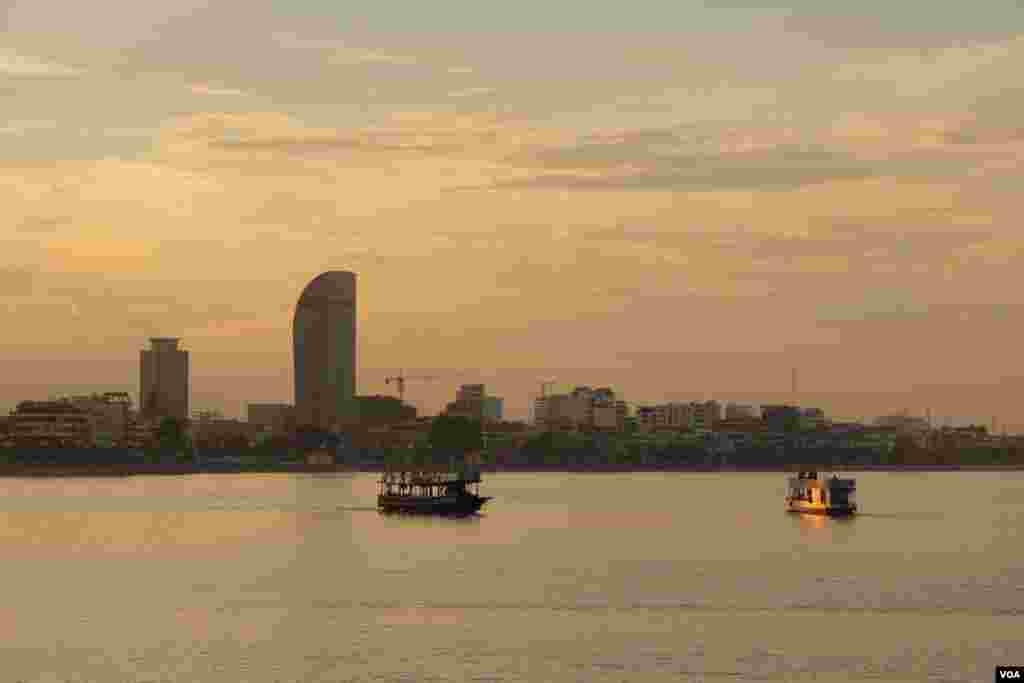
x: 425, y: 468
x: 431, y: 473
x: 825, y: 481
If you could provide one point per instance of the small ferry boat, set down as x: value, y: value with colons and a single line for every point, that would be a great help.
x: 431, y: 490
x: 809, y: 494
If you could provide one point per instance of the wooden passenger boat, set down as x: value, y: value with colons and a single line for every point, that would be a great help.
x: 808, y: 493
x: 431, y: 490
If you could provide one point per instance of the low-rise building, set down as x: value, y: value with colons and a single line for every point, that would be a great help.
x: 646, y: 418
x: 701, y: 416
x: 606, y: 418
x: 781, y: 418
x: 113, y: 413
x: 812, y: 418
x: 52, y: 424
x: 674, y: 415
x: 740, y: 411
x: 472, y: 401
x: 139, y: 432
x: 276, y: 418
x: 664, y: 417
x: 99, y: 419
x: 384, y: 410
x: 746, y: 425
x: 705, y: 415
x: 216, y: 432
x: 915, y: 428
x: 584, y: 409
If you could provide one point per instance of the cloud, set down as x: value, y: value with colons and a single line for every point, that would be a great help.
x: 629, y: 164
x: 471, y: 92
x: 723, y: 157
x: 296, y: 42
x: 91, y: 255
x: 856, y: 241
x: 936, y: 66
x: 991, y: 126
x: 956, y: 74
x: 357, y: 57
x: 835, y: 239
x: 874, y: 304
x: 22, y: 127
x: 848, y: 28
x: 906, y: 307
x: 474, y: 135
x: 204, y: 89
x: 21, y: 66
x: 16, y: 282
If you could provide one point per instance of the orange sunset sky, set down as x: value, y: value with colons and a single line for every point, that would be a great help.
x: 676, y: 199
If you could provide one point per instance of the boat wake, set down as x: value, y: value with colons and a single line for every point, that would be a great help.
x: 908, y: 516
x: 676, y: 606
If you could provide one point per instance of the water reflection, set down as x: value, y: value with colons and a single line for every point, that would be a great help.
x: 149, y: 487
x: 163, y: 534
x: 420, y: 616
x: 147, y: 517
x: 558, y: 570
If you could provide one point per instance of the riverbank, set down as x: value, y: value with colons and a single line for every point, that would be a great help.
x: 178, y: 469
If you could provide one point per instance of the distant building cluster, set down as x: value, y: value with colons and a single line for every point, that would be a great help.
x: 95, y: 420
x: 701, y: 416
x: 582, y: 409
x: 109, y: 419
x: 327, y: 408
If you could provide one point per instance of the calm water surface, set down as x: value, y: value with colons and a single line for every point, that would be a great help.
x: 645, y: 577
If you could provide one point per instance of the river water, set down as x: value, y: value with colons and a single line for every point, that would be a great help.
x: 567, y: 577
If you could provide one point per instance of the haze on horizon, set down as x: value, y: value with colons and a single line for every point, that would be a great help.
x: 672, y: 199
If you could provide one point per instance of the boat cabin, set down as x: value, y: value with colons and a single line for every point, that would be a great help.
x: 428, y: 481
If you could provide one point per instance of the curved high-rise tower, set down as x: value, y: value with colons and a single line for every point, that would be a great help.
x: 324, y: 344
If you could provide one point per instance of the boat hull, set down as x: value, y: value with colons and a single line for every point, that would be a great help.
x: 826, y: 511
x: 456, y: 506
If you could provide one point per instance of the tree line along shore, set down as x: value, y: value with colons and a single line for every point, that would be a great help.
x: 456, y: 439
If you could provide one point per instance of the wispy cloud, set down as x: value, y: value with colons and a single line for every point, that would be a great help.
x: 471, y: 92
x: 206, y: 89
x: 479, y: 135
x: 22, y: 127
x: 338, y: 53
x: 355, y: 57
x: 632, y: 166
x: 16, y: 282
x: 22, y: 66
x: 937, y: 66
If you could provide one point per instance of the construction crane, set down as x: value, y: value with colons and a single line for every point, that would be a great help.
x: 401, y: 378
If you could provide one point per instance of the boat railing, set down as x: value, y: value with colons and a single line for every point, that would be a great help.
x: 431, y: 474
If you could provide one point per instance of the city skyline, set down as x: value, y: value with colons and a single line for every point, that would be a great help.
x: 669, y: 199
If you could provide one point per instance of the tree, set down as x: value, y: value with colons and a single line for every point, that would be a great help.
x: 455, y: 435
x: 171, y: 434
x: 536, y: 448
x: 906, y: 451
